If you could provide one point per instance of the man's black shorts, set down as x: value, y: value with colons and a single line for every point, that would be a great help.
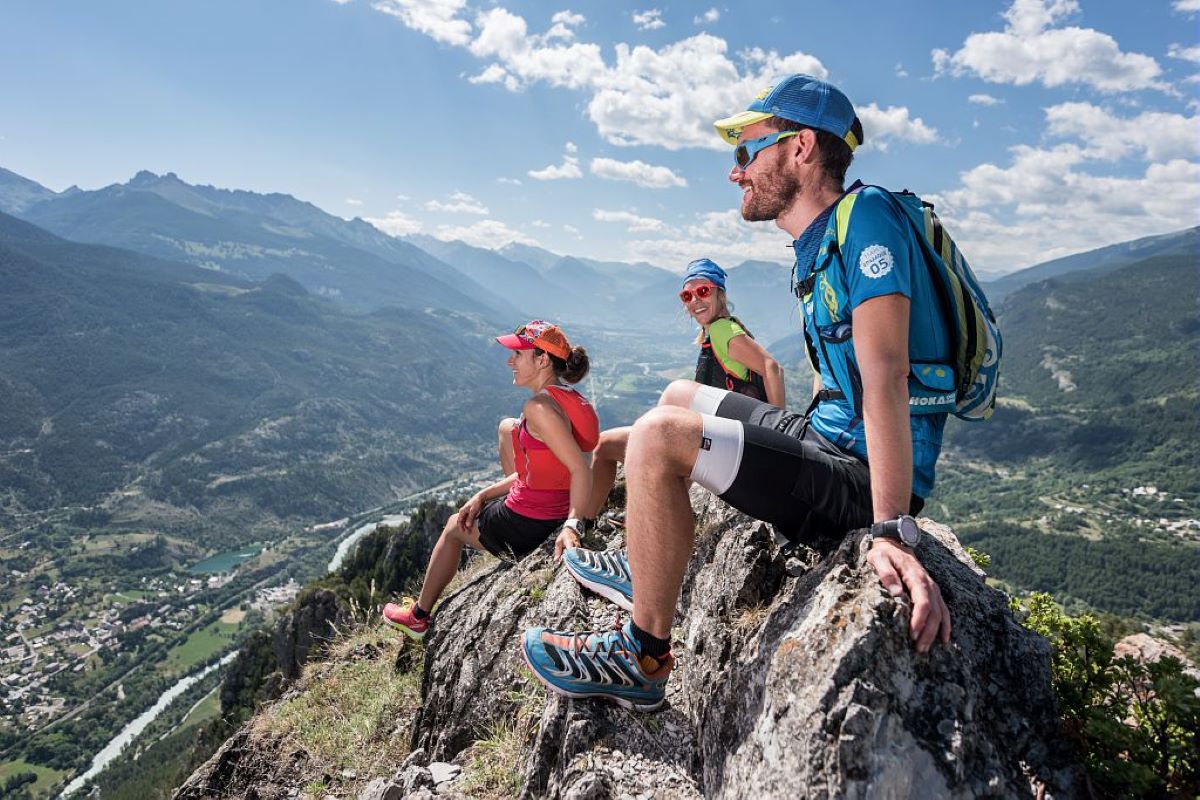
x: 797, y: 480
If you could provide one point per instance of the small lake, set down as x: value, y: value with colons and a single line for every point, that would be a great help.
x: 225, y: 562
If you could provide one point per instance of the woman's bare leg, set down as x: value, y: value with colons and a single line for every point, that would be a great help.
x: 443, y: 562
x: 508, y: 460
x: 611, y: 449
x: 604, y: 468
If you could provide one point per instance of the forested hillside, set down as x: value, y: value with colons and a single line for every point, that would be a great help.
x: 1086, y: 481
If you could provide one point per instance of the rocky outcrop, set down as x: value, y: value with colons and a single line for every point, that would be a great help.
x: 1148, y: 650
x: 304, y: 630
x: 795, y: 678
x: 800, y: 685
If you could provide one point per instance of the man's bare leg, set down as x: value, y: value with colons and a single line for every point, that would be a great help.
x: 508, y: 460
x: 660, y: 532
x: 443, y: 562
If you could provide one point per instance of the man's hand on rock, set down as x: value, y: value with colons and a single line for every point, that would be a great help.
x: 898, y: 570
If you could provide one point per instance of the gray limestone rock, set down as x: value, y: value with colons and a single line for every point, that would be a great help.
x: 803, y: 683
x: 794, y: 678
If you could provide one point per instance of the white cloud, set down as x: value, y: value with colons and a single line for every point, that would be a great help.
x: 1187, y: 6
x: 437, y: 19
x: 539, y: 223
x: 1185, y: 53
x: 494, y: 73
x: 489, y: 233
x: 633, y: 222
x: 639, y: 172
x: 509, y: 181
x: 880, y: 125
x: 680, y: 88
x: 1076, y: 195
x: 563, y: 26
x: 720, y: 235
x: 1029, y: 49
x: 396, y: 223
x: 504, y: 36
x: 353, y: 201
x: 568, y: 18
x: 403, y: 197
x: 901, y: 72
x: 1057, y: 209
x: 649, y: 20
x: 708, y: 17
x: 984, y: 100
x: 341, y: 2
x: 1152, y: 135
x: 571, y: 229
x: 567, y: 170
x: 460, y: 203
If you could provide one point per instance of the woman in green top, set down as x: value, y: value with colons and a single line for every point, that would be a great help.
x: 730, y: 359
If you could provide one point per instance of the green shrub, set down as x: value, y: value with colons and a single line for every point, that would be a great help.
x: 1135, y: 726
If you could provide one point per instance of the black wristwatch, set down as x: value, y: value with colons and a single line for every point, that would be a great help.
x: 903, y: 529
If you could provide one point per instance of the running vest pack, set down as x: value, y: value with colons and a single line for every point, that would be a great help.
x: 711, y: 370
x: 966, y: 387
x: 537, y: 466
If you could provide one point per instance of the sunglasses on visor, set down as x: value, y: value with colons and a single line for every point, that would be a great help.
x: 745, y: 153
x: 701, y: 292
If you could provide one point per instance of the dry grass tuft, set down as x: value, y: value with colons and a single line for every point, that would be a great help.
x: 353, y: 712
x: 750, y: 618
x: 495, y: 760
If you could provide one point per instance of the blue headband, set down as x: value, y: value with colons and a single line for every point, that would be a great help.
x: 704, y: 268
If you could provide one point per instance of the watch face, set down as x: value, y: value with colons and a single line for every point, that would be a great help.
x: 910, y: 534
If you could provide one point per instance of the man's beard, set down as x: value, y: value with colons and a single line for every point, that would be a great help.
x: 770, y: 196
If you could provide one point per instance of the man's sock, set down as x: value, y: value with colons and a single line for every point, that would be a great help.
x: 653, y: 649
x: 419, y: 612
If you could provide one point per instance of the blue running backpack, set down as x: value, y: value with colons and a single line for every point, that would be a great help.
x: 974, y: 335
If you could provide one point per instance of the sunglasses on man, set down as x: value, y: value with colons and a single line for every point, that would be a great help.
x: 745, y: 153
x: 702, y: 292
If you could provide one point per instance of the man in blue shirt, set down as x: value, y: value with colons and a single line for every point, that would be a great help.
x: 871, y: 320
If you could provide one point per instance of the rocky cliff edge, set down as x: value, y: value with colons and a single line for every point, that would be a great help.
x: 794, y: 678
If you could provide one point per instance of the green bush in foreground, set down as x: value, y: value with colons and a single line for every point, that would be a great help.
x: 1135, y: 726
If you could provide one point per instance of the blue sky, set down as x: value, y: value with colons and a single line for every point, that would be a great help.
x: 1040, y: 127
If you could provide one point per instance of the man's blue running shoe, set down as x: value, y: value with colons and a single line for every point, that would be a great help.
x: 605, y: 573
x: 598, y: 664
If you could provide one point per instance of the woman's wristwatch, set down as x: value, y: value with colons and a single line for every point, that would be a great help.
x: 575, y: 525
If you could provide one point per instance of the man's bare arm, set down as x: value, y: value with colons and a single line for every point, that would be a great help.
x: 881, y: 347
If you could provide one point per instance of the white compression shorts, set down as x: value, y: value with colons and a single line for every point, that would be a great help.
x: 720, y: 453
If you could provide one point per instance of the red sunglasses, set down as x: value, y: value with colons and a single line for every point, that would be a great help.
x: 700, y: 292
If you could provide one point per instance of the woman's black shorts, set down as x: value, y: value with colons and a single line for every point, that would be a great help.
x: 506, y: 534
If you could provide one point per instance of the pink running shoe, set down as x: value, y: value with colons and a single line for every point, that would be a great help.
x: 402, y: 617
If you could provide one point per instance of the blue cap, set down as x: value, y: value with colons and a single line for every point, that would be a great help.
x: 704, y: 268
x: 803, y: 99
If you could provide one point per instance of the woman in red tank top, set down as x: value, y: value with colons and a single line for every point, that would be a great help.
x: 546, y: 459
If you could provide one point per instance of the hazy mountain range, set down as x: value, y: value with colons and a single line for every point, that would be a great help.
x: 241, y: 348
x: 152, y: 385
x: 250, y: 235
